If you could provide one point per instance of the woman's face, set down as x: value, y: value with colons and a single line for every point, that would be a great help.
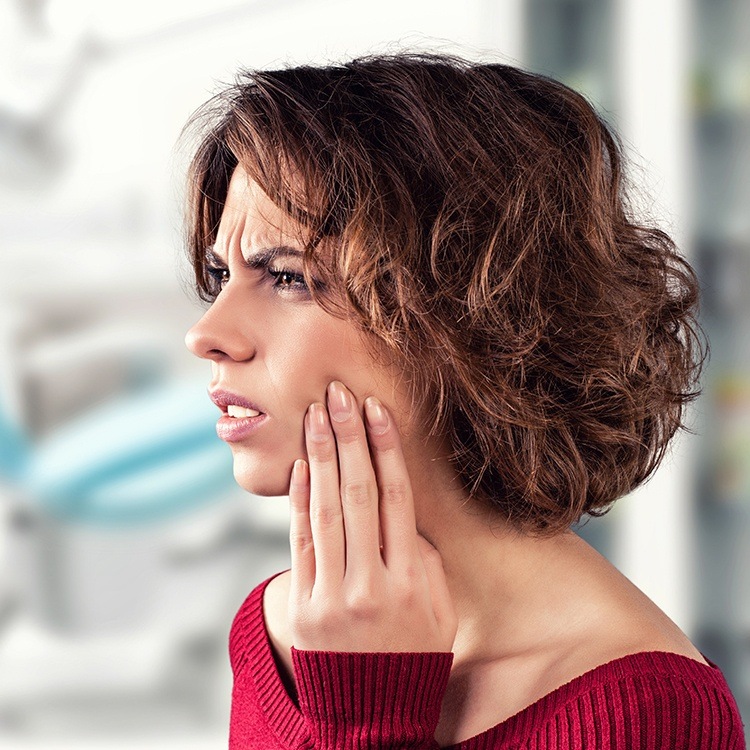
x: 272, y: 347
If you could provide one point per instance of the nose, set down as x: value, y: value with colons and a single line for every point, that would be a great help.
x: 221, y: 333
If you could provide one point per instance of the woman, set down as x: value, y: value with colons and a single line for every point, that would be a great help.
x: 436, y: 327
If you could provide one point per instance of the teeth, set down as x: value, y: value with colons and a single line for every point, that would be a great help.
x: 241, y: 411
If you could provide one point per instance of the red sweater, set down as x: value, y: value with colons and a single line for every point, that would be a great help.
x: 646, y: 701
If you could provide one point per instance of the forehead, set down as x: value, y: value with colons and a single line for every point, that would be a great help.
x: 251, y: 217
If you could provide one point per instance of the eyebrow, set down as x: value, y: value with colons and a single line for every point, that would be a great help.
x: 261, y: 258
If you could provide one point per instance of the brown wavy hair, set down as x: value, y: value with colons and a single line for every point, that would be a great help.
x: 481, y: 234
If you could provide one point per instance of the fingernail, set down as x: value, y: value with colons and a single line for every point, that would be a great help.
x: 317, y: 421
x: 377, y: 418
x: 299, y: 472
x: 339, y: 401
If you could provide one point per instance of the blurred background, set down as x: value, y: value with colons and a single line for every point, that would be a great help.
x: 125, y: 548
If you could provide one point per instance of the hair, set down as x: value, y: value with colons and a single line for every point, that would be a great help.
x: 480, y: 233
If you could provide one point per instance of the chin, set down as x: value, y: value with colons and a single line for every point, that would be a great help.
x: 263, y: 478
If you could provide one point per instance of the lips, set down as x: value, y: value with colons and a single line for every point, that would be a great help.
x: 224, y: 399
x: 240, y: 416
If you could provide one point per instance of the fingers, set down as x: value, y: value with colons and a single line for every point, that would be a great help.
x: 326, y: 517
x: 300, y: 532
x: 355, y: 491
x: 398, y: 524
x: 358, y: 489
x: 358, y: 493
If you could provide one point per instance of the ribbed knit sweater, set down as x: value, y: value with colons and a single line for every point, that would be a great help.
x: 651, y: 700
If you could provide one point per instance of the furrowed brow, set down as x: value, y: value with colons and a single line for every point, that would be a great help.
x: 212, y: 259
x: 262, y: 258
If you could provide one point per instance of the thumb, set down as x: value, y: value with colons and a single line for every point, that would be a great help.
x: 442, y: 602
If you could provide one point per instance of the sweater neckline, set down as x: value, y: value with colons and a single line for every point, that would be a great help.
x: 288, y: 723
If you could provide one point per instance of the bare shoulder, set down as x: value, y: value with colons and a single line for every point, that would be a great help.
x: 597, y: 616
x: 632, y: 638
x: 624, y: 621
x: 275, y: 603
x: 627, y: 622
x: 646, y: 627
x: 275, y: 606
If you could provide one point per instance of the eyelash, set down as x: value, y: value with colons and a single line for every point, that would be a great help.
x: 298, y: 280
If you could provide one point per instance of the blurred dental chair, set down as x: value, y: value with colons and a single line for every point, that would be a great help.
x: 128, y: 549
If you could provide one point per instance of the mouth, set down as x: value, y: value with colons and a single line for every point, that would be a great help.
x: 234, y: 406
x: 240, y: 417
x: 234, y: 411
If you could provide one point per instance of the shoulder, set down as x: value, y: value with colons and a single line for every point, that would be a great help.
x: 609, y: 617
x: 276, y: 593
x: 654, y: 699
x: 656, y: 695
x: 641, y: 678
x: 275, y: 606
x: 655, y: 671
x: 629, y: 662
x: 623, y: 650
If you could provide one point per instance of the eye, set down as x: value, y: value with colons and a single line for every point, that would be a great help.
x: 288, y: 280
x: 218, y: 277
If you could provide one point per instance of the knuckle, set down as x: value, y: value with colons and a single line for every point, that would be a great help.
x: 361, y: 604
x: 299, y: 501
x: 322, y: 452
x: 383, y: 445
x: 347, y: 436
x: 331, y: 618
x: 435, y: 556
x: 395, y: 493
x: 428, y: 551
x: 296, y: 614
x: 406, y: 593
x: 325, y: 516
x: 300, y: 541
x: 356, y: 494
x: 412, y: 576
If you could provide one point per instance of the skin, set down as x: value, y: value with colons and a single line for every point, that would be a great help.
x: 273, y: 345
x: 522, y: 615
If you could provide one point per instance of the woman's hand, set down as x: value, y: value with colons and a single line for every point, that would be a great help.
x: 349, y: 590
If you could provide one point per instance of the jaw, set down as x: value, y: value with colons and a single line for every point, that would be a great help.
x: 261, y: 472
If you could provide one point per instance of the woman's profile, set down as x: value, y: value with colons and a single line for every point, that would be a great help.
x: 436, y: 325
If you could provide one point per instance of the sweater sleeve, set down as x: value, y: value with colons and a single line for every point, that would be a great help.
x: 371, y: 700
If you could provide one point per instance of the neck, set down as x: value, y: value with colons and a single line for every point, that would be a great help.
x: 511, y: 591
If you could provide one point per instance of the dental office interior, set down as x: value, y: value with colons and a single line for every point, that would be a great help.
x: 125, y: 546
